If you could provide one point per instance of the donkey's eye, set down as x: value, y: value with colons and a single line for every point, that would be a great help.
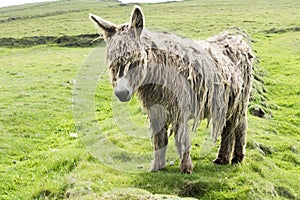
x: 121, y: 71
x: 132, y: 65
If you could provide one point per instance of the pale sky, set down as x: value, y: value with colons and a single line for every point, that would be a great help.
x: 4, y: 3
x: 145, y: 1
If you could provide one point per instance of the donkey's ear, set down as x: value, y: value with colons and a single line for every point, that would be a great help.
x: 137, y: 20
x: 108, y: 27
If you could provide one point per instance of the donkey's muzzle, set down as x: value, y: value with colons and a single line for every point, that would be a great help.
x: 122, y: 91
x: 123, y: 95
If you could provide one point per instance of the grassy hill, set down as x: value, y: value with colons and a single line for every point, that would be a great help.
x: 41, y: 155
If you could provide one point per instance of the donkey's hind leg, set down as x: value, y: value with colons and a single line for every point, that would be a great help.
x: 240, y: 142
x: 227, y: 141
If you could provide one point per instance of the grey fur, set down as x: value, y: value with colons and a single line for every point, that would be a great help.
x: 176, y: 79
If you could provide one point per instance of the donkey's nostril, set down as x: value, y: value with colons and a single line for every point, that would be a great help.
x: 123, y: 95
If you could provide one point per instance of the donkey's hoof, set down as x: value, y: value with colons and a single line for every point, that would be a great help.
x: 187, y: 171
x: 219, y: 161
x: 157, y: 167
x: 187, y: 168
x: 236, y: 161
x: 156, y: 170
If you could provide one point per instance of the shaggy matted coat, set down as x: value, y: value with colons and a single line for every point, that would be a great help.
x: 176, y: 79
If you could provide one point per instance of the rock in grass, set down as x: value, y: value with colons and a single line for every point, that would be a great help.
x: 73, y: 135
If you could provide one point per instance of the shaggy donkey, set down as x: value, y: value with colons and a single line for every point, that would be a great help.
x: 177, y: 79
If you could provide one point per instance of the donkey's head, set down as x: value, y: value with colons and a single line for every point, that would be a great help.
x: 124, y: 52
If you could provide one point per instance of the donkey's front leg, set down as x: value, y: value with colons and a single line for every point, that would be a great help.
x: 159, y: 126
x: 160, y: 142
x: 186, y: 165
x: 183, y: 144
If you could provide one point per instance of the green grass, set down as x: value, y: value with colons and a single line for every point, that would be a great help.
x: 40, y: 157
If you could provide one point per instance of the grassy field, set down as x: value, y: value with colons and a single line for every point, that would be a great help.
x: 41, y: 155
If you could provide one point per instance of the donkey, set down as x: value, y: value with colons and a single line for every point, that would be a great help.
x: 177, y: 79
